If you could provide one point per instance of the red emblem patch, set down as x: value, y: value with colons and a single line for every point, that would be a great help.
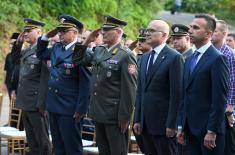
x: 131, y: 68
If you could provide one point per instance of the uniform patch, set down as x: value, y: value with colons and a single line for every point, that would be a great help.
x: 32, y: 66
x: 109, y: 73
x: 131, y: 68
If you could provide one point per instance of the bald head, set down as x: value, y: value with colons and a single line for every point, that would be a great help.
x: 158, y: 32
x: 160, y: 25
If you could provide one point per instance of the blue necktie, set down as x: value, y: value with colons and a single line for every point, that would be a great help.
x: 151, y: 61
x: 193, y: 62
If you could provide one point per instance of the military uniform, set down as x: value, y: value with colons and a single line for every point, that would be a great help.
x: 114, y: 77
x: 68, y: 91
x: 181, y: 30
x: 27, y: 95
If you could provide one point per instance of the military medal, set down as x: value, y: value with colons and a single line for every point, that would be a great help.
x: 67, y: 71
x: 109, y: 73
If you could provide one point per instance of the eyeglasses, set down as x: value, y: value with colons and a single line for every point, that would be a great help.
x: 152, y: 31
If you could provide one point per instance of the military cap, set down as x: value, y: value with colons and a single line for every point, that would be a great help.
x: 15, y: 35
x: 111, y: 22
x: 32, y: 24
x: 179, y: 30
x: 142, y: 33
x: 67, y: 21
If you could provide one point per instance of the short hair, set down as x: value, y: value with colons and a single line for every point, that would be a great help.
x: 211, y: 22
x: 224, y: 25
x: 232, y: 35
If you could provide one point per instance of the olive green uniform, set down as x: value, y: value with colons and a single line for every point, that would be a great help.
x: 113, y: 92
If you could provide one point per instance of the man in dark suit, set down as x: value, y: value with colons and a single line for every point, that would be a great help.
x: 158, y: 93
x: 27, y: 93
x: 205, y: 87
x: 68, y: 87
x: 181, y: 40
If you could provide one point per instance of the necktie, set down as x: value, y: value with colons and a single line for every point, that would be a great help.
x: 193, y: 62
x: 63, y: 48
x: 151, y: 60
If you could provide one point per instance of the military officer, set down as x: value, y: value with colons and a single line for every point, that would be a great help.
x: 68, y: 87
x: 27, y: 93
x: 113, y: 86
x: 181, y: 40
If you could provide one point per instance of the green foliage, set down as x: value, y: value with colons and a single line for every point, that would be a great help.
x: 220, y: 8
x: 136, y: 12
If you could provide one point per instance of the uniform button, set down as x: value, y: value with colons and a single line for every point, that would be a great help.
x: 110, y: 66
x: 49, y: 88
x: 97, y: 75
x: 57, y: 79
x: 51, y: 77
x: 95, y: 93
x: 35, y: 92
x: 56, y: 91
x: 96, y: 84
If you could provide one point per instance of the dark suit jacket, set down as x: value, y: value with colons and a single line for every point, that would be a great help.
x: 158, y: 95
x: 205, y: 93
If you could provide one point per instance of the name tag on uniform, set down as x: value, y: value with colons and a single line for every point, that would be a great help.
x: 112, y: 62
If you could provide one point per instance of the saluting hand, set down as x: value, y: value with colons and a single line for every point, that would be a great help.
x: 133, y: 45
x: 92, y: 37
x: 52, y: 33
x: 123, y: 125
x: 20, y: 38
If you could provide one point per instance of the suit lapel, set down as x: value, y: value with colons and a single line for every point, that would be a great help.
x: 199, y: 65
x: 144, y: 66
x: 160, y: 58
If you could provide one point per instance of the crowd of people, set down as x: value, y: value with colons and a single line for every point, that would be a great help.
x: 173, y: 86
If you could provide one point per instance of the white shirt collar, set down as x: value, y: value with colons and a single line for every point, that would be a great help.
x: 203, y: 49
x: 70, y: 44
x: 159, y: 48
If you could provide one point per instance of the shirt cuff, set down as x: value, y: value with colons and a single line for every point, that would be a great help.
x: 44, y: 38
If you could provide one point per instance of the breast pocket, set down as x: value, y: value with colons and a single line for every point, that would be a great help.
x: 110, y: 71
x: 32, y: 64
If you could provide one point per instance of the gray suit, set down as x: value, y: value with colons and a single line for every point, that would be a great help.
x: 26, y: 99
